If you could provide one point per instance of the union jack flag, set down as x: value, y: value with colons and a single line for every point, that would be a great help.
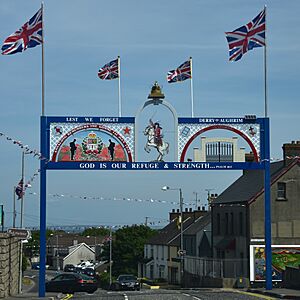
x: 109, y: 71
x: 106, y: 239
x: 247, y: 37
x: 28, y: 36
x: 20, y: 189
x: 182, y: 73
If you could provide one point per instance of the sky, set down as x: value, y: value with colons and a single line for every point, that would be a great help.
x: 151, y: 38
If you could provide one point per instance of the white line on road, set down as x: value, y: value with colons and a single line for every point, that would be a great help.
x: 188, y: 295
x: 125, y: 297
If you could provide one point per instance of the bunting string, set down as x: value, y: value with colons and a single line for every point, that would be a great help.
x: 36, y: 153
x: 139, y: 200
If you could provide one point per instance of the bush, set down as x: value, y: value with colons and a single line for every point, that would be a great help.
x: 104, y: 280
x: 25, y: 263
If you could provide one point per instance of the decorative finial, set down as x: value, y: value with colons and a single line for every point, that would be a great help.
x: 156, y: 92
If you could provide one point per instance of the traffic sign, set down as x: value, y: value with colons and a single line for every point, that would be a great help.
x: 181, y: 252
x: 22, y: 234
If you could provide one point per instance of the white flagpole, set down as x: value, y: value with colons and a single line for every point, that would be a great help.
x: 119, y: 70
x: 192, y: 92
x: 43, y: 68
x: 265, y: 65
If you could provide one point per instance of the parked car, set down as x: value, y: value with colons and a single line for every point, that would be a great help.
x: 126, y: 282
x: 89, y: 272
x: 69, y: 268
x: 35, y: 266
x: 69, y: 283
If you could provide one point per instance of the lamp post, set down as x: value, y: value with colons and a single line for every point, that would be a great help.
x: 181, y: 251
x: 110, y: 255
x: 22, y: 196
x: 21, y: 220
x: 57, y: 254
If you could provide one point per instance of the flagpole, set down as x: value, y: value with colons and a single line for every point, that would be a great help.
x: 265, y: 65
x: 43, y: 68
x: 119, y: 70
x: 192, y: 92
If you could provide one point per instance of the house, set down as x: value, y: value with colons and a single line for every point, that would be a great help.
x: 238, y: 213
x: 79, y: 253
x: 61, y: 244
x: 161, y: 252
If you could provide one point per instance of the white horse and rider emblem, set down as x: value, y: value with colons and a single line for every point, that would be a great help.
x: 154, y: 139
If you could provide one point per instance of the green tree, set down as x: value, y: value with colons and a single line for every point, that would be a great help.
x: 128, y: 248
x: 95, y: 231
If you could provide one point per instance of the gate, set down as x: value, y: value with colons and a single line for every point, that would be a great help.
x: 219, y: 152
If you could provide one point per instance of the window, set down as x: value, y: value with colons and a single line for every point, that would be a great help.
x: 241, y: 223
x: 281, y: 191
x: 152, y: 254
x: 151, y: 271
x: 161, y: 271
x: 232, y: 223
x: 226, y: 223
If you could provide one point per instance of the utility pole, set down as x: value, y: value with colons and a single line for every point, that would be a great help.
x: 146, y: 221
x: 57, y: 254
x: 181, y: 240
x: 110, y: 255
x: 196, y: 199
x: 14, y: 208
x: 21, y: 225
x: 22, y: 195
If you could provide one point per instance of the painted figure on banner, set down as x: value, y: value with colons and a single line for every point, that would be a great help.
x: 111, y: 148
x: 155, y: 139
x: 73, y: 148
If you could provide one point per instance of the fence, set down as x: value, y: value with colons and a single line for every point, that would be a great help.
x: 216, y: 268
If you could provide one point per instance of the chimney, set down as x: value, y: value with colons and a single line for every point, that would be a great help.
x: 249, y: 157
x: 290, y: 151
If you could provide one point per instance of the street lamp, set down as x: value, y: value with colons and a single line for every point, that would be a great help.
x: 21, y: 220
x: 57, y: 254
x: 23, y: 180
x: 181, y: 251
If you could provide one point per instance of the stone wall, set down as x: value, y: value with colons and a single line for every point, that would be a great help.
x: 9, y: 265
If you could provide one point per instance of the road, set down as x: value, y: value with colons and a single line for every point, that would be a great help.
x: 161, y: 294
x: 146, y: 294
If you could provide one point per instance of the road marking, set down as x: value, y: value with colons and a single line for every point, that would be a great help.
x: 188, y: 295
x: 125, y: 296
x: 67, y: 297
x: 256, y: 295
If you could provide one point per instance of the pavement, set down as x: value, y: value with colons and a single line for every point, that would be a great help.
x: 280, y: 293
